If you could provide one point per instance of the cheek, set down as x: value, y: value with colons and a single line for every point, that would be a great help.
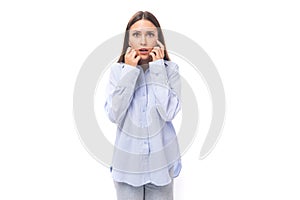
x: 152, y: 42
x: 133, y: 42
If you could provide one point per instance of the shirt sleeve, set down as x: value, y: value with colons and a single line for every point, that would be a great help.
x: 120, y: 90
x: 167, y: 89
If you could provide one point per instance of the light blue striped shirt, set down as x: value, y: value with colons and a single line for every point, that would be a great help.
x: 143, y: 104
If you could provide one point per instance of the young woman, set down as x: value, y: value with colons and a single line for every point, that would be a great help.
x: 143, y: 97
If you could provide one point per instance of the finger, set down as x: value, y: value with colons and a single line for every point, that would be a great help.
x: 133, y: 54
x: 152, y: 55
x: 157, y: 52
x: 128, y: 49
x: 160, y: 44
x: 137, y: 58
x: 161, y: 51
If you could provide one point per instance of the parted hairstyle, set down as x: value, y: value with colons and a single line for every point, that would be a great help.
x: 146, y: 16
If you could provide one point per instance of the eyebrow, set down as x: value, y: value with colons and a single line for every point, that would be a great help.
x: 144, y: 28
x: 137, y: 31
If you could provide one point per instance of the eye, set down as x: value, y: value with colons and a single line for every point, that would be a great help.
x: 150, y: 34
x: 136, y: 34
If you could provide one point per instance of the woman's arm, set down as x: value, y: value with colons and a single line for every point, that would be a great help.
x: 120, y: 90
x: 167, y: 89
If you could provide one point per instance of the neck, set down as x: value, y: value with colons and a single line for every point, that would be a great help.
x: 144, y: 63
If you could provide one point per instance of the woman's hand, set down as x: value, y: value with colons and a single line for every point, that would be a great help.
x: 158, y: 52
x: 131, y: 58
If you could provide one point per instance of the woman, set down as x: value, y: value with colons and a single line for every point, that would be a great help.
x: 143, y: 96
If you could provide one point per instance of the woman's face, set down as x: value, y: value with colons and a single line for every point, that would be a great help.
x: 142, y: 37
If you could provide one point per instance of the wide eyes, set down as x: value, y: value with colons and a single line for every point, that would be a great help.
x: 149, y: 34
x: 136, y: 34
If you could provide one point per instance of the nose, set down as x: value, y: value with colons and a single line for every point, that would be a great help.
x: 143, y: 40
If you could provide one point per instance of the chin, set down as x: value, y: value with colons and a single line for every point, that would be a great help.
x: 145, y: 60
x: 144, y: 57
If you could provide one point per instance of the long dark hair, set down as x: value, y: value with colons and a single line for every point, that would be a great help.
x: 136, y: 17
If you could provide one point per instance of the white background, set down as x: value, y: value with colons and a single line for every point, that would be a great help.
x: 254, y: 45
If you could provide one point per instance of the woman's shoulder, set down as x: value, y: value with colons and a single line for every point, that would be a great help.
x: 119, y: 65
x: 116, y: 67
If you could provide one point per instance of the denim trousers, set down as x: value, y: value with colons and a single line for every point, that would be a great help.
x: 145, y: 192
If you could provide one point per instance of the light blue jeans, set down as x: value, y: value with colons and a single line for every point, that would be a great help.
x: 145, y: 192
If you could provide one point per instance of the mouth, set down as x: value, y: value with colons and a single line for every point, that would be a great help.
x: 144, y: 51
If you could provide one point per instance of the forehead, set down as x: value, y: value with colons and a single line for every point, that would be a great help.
x: 143, y: 25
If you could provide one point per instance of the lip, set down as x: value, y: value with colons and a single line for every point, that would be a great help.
x: 144, y: 51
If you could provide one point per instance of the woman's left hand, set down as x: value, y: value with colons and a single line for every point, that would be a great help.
x: 158, y: 52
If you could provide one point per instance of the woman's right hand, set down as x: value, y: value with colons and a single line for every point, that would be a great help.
x: 131, y: 58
